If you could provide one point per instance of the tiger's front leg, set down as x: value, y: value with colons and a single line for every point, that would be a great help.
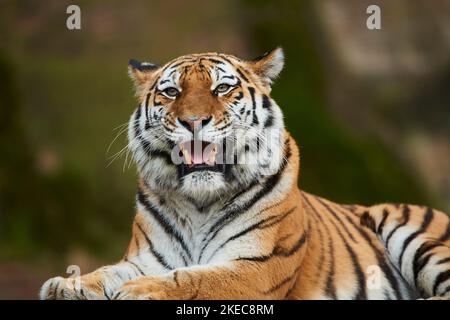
x: 97, y: 285
x: 235, y: 280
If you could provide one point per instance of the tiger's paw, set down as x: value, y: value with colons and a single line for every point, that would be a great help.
x: 60, y: 288
x: 148, y: 288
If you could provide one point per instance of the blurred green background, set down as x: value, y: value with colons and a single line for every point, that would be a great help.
x: 369, y: 109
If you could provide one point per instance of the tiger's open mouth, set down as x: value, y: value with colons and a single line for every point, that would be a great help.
x: 199, y: 155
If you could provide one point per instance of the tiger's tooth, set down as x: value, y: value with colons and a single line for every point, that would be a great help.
x: 186, y: 154
x: 210, y: 161
x: 212, y: 155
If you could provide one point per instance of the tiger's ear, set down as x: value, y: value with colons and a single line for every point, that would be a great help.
x: 269, y: 65
x: 141, y: 72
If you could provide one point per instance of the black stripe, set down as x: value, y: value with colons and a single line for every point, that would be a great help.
x: 269, y: 121
x: 147, y: 122
x: 322, y: 254
x: 242, y: 75
x: 49, y: 292
x: 239, y: 96
x: 219, y: 68
x: 171, y: 73
x: 330, y: 288
x: 247, y: 114
x: 137, y: 130
x: 446, y: 290
x: 381, y: 260
x: 257, y: 258
x: 446, y: 235
x: 406, y: 215
x: 215, y: 61
x: 266, y: 104
x: 445, y: 260
x: 283, y: 282
x: 350, y: 235
x: 425, y: 223
x: 279, y: 285
x: 387, y: 294
x: 278, y: 251
x: 154, y: 84
x: 56, y: 290
x: 368, y: 221
x: 138, y: 246
x: 442, y: 277
x: 361, y: 294
x: 177, y: 64
x: 259, y: 213
x: 262, y: 224
x: 288, y: 293
x: 82, y: 293
x: 382, y: 223
x: 225, y: 126
x: 255, y: 120
x: 419, y: 262
x: 224, y: 57
x: 136, y: 266
x: 419, y: 265
x: 105, y: 293
x: 162, y: 221
x: 159, y: 257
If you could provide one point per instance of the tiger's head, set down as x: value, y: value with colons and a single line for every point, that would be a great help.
x: 206, y: 124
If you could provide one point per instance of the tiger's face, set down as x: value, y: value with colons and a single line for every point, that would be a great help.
x: 206, y: 124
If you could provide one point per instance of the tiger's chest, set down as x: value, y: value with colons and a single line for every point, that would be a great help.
x: 203, y: 237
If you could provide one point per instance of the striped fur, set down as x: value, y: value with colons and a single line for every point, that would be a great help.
x: 248, y: 232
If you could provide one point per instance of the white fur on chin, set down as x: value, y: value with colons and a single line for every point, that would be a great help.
x: 203, y: 186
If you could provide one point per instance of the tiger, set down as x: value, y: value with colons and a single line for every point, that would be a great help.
x: 241, y: 228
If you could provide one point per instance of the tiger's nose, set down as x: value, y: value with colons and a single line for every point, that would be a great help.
x: 194, y: 123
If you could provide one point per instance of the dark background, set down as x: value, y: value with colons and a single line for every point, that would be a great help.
x: 369, y: 109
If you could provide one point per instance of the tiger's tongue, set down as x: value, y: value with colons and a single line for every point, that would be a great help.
x: 197, y: 155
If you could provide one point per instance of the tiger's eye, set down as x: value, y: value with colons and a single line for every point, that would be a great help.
x: 222, y: 88
x: 171, y: 92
